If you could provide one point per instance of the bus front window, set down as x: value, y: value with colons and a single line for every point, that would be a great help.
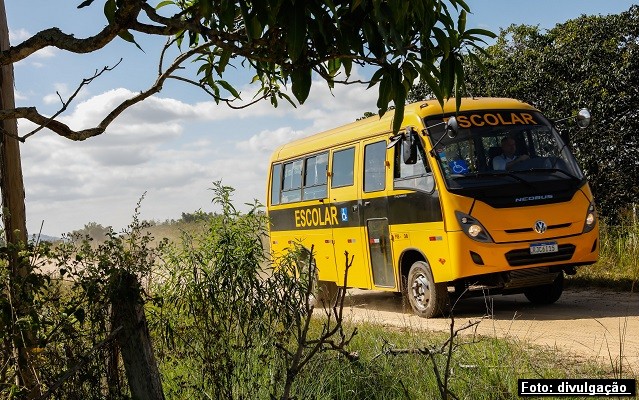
x: 494, y: 148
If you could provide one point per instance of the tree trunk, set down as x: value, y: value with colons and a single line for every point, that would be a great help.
x: 14, y: 218
x: 134, y: 340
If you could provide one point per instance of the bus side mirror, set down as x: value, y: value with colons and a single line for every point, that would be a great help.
x: 583, y: 121
x: 409, y: 146
x: 452, y: 127
x: 451, y: 131
x: 583, y: 118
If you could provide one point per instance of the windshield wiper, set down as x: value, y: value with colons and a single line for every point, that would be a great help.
x: 500, y: 174
x: 568, y: 174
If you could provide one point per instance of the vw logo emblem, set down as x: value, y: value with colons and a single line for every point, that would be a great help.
x: 540, y: 227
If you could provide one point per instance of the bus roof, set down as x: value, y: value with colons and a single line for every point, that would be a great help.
x: 374, y: 125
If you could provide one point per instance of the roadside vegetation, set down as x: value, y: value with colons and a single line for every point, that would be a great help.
x: 617, y: 268
x: 618, y: 265
x: 185, y: 309
x: 220, y: 326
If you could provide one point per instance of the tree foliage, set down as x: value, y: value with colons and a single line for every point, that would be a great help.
x: 590, y: 61
x: 283, y: 41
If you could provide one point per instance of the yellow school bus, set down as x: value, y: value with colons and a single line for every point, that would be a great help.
x: 486, y: 198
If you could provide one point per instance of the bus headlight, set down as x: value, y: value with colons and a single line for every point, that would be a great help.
x: 591, y: 218
x: 472, y: 228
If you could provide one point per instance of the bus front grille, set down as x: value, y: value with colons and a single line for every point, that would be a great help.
x: 520, y: 257
x: 528, y: 230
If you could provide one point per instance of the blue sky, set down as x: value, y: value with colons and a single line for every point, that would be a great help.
x: 174, y: 145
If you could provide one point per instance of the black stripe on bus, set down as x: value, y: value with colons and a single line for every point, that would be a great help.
x: 414, y: 207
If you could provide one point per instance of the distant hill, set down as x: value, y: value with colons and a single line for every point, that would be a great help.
x: 44, y: 238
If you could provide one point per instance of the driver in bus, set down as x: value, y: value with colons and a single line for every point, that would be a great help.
x: 508, y: 158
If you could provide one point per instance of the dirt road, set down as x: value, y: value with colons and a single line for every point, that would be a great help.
x: 589, y: 323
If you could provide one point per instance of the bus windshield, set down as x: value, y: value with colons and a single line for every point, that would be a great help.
x: 495, y: 148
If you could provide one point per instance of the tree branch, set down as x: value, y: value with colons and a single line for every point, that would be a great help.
x: 65, y: 104
x: 124, y: 17
x: 31, y: 113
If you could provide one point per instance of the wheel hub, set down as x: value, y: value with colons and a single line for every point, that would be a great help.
x: 421, y: 290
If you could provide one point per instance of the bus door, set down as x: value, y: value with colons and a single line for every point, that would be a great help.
x: 347, y: 233
x: 374, y: 213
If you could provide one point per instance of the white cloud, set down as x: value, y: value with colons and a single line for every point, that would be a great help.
x: 18, y: 35
x: 19, y: 96
x: 168, y: 148
x: 47, y: 52
x: 267, y: 141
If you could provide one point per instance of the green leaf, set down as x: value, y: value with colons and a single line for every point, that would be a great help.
x: 385, y: 89
x: 126, y: 35
x: 109, y: 10
x: 398, y: 117
x: 399, y: 99
x: 459, y: 82
x: 164, y: 4
x: 334, y: 65
x: 301, y: 83
x: 461, y: 22
x: 481, y: 32
x: 229, y: 88
x: 463, y: 4
x: 376, y: 77
x: 434, y: 87
x: 296, y: 31
x: 227, y: 13
x: 447, y: 75
x: 85, y: 3
x: 348, y: 66
x: 223, y: 62
x: 409, y: 71
x: 179, y: 37
x: 206, y: 9
x: 374, y: 39
x: 246, y: 17
x: 442, y: 41
x: 285, y: 97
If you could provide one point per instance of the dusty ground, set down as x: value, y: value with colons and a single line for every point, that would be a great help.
x: 601, y: 325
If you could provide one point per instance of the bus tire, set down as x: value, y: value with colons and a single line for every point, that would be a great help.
x: 427, y: 298
x: 546, y: 294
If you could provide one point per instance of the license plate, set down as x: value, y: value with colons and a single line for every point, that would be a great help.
x: 542, y: 248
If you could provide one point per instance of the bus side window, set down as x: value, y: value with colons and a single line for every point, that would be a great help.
x: 276, y: 183
x: 375, y: 166
x: 412, y: 176
x: 315, y: 177
x: 292, y: 186
x: 343, y: 165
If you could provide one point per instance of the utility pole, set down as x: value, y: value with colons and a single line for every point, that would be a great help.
x: 14, y: 218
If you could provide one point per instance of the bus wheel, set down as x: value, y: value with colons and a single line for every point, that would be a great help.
x: 546, y: 294
x: 427, y: 298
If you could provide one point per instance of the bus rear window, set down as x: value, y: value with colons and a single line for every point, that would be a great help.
x: 276, y: 183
